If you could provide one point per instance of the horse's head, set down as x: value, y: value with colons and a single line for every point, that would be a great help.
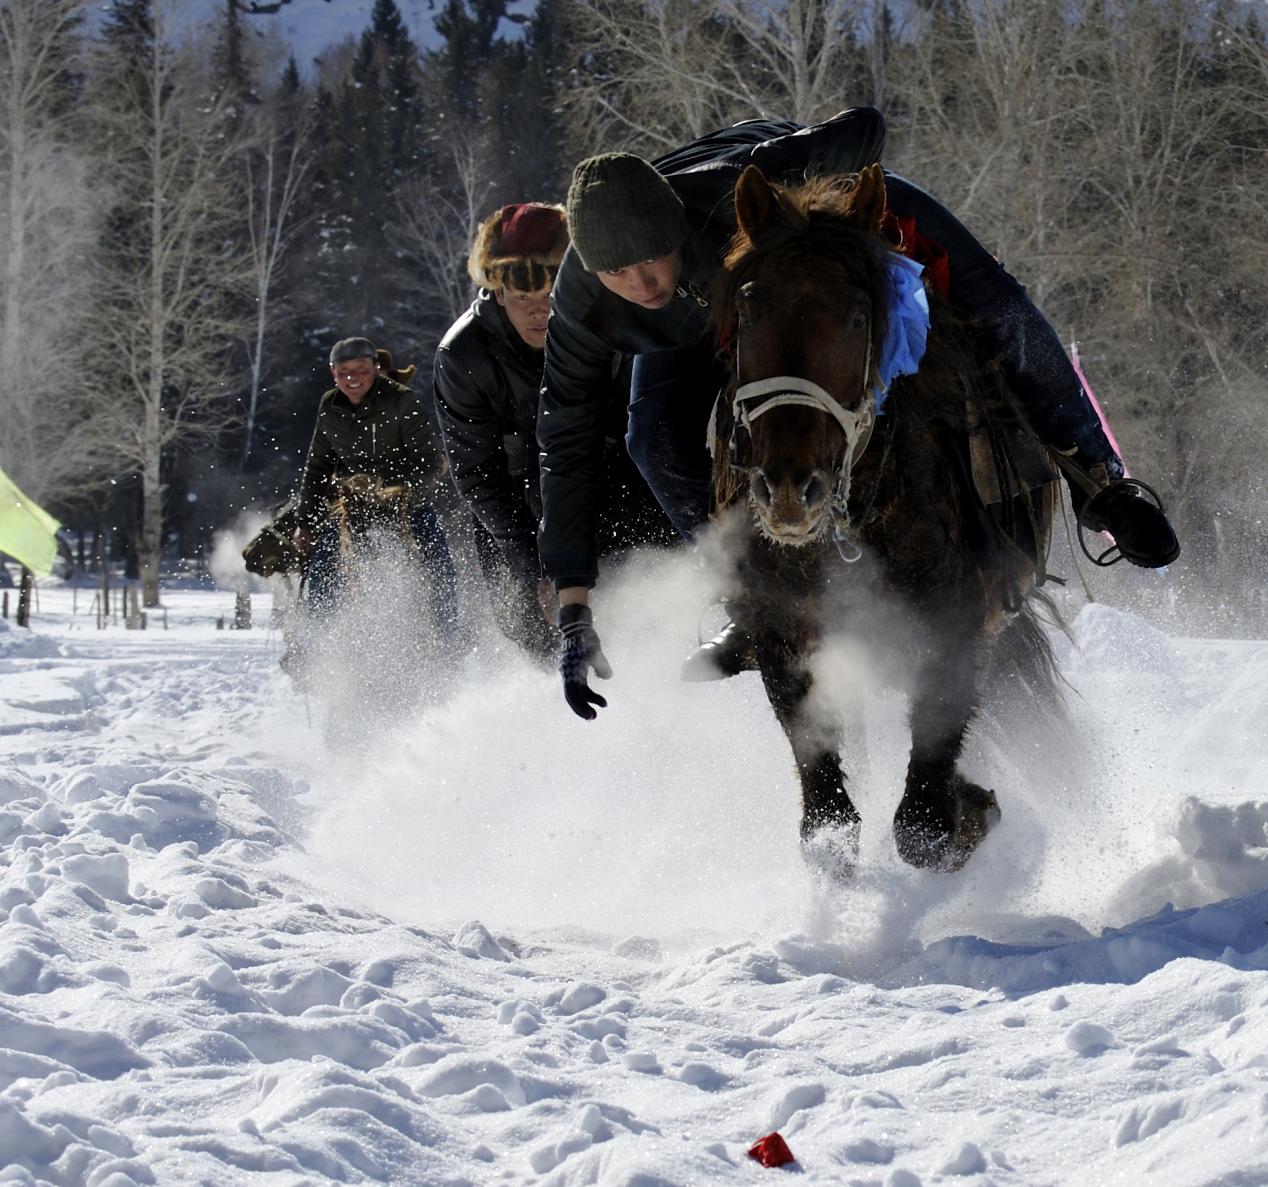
x: 802, y: 296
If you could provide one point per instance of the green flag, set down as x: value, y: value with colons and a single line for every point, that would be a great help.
x: 28, y: 533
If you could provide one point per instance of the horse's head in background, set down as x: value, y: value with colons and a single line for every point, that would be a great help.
x: 803, y: 303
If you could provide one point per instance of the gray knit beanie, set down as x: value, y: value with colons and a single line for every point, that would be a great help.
x: 621, y: 211
x: 351, y: 348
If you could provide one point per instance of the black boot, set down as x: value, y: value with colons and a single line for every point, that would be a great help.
x: 1142, y: 533
x: 728, y: 653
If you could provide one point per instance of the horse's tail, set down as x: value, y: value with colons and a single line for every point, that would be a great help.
x: 1021, y: 670
x: 1024, y: 706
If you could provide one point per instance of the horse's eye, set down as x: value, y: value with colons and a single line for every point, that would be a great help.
x: 859, y: 321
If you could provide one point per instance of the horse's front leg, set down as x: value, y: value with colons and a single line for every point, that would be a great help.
x: 829, y: 819
x: 942, y: 817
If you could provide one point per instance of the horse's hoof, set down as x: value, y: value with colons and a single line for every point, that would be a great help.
x: 931, y: 840
x: 921, y: 842
x: 832, y: 852
x: 976, y: 813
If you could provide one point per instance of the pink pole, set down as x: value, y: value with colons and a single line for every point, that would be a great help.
x: 1096, y: 404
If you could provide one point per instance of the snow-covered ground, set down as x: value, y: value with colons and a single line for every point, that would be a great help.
x: 249, y: 937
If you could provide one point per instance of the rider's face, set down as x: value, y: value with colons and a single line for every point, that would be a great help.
x: 650, y: 283
x: 528, y: 313
x: 355, y: 378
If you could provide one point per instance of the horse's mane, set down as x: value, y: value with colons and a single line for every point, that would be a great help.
x: 811, y: 222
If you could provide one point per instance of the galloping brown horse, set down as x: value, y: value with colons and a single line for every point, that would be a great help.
x: 852, y: 508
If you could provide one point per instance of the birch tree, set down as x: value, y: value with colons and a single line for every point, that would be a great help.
x: 662, y: 72
x: 168, y: 277
x: 999, y: 124
x: 1163, y: 190
x: 276, y: 170
x: 434, y: 229
x: 47, y: 442
x: 1114, y: 158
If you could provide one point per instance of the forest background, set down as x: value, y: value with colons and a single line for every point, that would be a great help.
x: 189, y: 217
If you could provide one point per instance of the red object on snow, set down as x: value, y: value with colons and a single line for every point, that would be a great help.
x: 771, y: 1150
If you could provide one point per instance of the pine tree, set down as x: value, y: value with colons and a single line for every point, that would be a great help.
x: 128, y: 29
x: 527, y: 132
x: 370, y: 136
x: 230, y: 68
x: 468, y: 28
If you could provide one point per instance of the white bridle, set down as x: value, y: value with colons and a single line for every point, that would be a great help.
x: 781, y: 390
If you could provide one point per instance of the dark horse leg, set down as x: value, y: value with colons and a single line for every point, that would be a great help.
x: 816, y: 747
x: 942, y: 816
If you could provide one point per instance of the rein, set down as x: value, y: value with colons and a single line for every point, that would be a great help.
x: 844, y: 535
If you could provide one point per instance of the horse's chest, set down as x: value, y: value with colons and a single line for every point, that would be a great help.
x: 897, y: 591
x: 807, y: 590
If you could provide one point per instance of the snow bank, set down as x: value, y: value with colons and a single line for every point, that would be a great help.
x: 497, y: 945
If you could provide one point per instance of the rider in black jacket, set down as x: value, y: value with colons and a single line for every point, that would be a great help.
x: 647, y: 243
x: 371, y: 426
x: 590, y: 325
x: 487, y: 377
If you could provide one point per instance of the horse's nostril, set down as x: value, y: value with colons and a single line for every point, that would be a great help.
x: 761, y: 489
x: 814, y: 492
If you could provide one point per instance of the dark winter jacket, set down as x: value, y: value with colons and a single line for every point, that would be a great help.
x: 486, y: 381
x: 387, y: 436
x: 590, y: 325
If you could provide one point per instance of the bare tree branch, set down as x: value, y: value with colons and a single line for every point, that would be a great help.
x: 171, y: 280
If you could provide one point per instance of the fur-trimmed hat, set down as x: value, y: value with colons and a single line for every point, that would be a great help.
x: 383, y: 360
x: 519, y: 247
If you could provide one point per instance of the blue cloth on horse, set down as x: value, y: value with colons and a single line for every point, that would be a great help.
x: 907, y: 327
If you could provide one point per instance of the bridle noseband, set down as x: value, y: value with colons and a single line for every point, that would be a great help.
x: 782, y: 390
x: 779, y: 391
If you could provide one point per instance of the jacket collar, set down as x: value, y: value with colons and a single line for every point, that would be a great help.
x: 491, y: 317
x: 347, y: 408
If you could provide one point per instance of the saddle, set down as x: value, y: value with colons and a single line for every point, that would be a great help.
x: 1018, y: 488
x: 362, y: 503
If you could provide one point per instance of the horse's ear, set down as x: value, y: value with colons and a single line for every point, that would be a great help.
x: 753, y: 200
x: 868, y: 206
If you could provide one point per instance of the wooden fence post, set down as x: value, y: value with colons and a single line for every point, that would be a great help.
x: 242, y: 608
x: 24, y: 597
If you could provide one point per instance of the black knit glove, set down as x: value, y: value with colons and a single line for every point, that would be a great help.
x: 580, y: 653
